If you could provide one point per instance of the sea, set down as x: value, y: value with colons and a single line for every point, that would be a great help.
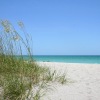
x: 90, y: 59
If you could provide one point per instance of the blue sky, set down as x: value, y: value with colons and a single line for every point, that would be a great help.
x: 58, y: 27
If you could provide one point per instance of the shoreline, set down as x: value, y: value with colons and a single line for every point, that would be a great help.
x: 85, y: 77
x: 67, y: 63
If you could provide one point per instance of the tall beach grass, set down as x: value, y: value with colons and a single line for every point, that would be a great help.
x: 20, y: 79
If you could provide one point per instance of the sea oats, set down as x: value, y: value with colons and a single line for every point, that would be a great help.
x: 16, y: 38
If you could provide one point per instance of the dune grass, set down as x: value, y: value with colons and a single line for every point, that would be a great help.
x: 20, y: 79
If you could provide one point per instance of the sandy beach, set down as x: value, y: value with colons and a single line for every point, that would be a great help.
x: 84, y: 81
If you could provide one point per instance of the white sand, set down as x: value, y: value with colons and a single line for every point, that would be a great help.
x: 86, y: 84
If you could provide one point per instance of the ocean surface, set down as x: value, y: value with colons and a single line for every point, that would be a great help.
x: 66, y: 59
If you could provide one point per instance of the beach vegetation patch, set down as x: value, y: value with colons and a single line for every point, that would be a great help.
x: 21, y: 79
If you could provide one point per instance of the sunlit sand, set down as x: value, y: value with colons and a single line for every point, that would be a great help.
x: 84, y: 81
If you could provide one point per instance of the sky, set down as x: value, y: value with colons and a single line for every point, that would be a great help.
x: 58, y: 27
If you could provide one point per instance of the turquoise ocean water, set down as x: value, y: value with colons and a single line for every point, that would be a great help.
x: 66, y: 59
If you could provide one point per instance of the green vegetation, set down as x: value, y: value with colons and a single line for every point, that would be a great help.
x: 20, y: 79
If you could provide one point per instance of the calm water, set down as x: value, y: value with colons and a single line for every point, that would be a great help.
x: 67, y: 59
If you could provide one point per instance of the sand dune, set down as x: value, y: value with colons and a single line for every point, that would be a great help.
x: 85, y: 83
